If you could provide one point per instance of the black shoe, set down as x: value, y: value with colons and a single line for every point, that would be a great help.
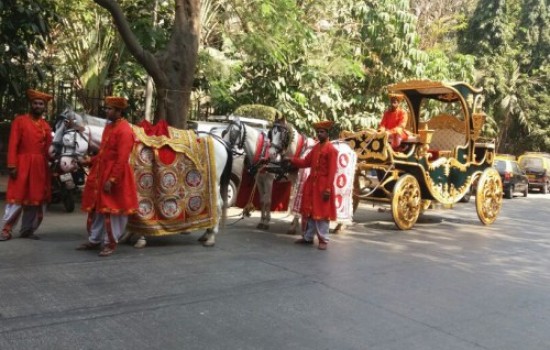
x: 303, y: 241
x: 89, y: 246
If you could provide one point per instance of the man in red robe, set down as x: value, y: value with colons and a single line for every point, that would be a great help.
x: 110, y: 193
x: 394, y: 121
x: 318, y: 204
x: 29, y: 183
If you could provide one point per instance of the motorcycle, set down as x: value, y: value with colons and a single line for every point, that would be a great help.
x: 65, y: 188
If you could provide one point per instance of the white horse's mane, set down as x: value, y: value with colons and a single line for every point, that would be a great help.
x: 84, y: 119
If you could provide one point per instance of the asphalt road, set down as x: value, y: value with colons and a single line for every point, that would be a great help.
x: 450, y: 283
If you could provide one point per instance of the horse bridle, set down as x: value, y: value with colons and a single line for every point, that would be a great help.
x: 65, y: 147
x: 283, y: 129
x: 236, y: 137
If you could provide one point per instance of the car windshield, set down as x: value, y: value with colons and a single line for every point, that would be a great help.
x: 500, y: 165
x: 531, y: 162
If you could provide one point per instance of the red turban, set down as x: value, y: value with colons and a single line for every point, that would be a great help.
x: 116, y: 102
x: 325, y: 124
x: 38, y: 95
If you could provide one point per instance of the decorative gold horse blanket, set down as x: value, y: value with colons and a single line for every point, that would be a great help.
x: 175, y: 174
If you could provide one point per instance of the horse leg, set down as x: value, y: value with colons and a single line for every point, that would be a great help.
x: 267, y: 201
x: 208, y: 239
x: 293, y: 225
x: 340, y: 228
x: 260, y: 185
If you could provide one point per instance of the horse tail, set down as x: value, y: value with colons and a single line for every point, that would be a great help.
x: 224, y: 184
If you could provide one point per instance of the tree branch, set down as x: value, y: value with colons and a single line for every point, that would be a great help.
x: 146, y: 58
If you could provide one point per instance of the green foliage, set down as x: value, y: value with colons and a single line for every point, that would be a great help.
x: 512, y: 42
x: 89, y: 47
x: 257, y: 111
x: 320, y: 59
x: 309, y: 59
x: 25, y: 26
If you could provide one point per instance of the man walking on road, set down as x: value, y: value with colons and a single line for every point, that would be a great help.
x: 318, y: 205
x: 110, y: 193
x: 29, y: 183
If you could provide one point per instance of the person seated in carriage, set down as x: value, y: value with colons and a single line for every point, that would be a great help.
x: 394, y: 121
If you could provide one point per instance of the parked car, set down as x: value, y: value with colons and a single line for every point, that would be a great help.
x: 537, y: 167
x: 514, y: 179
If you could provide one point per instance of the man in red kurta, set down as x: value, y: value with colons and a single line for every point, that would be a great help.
x: 394, y: 121
x: 318, y: 204
x: 29, y: 183
x: 110, y: 193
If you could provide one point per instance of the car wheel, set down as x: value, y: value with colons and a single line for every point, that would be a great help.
x: 231, y: 194
x: 509, y: 194
x: 68, y: 202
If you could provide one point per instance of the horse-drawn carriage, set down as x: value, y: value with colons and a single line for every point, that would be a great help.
x: 442, y: 159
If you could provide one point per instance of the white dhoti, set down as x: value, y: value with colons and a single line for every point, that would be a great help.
x: 106, y: 228
x: 32, y: 218
x: 317, y: 227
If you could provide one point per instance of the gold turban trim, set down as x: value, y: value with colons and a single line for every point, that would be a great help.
x: 116, y: 102
x: 38, y: 95
x: 325, y: 124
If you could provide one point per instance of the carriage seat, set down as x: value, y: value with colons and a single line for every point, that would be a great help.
x: 448, y: 133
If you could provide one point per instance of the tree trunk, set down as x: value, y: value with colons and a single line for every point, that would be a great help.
x: 173, y: 68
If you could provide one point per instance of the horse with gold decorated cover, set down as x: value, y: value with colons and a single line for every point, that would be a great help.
x: 441, y: 160
x: 181, y: 178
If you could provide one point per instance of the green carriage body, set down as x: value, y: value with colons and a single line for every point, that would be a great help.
x: 440, y: 161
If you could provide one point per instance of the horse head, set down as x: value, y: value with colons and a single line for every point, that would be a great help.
x: 71, y: 140
x: 235, y: 134
x: 280, y: 136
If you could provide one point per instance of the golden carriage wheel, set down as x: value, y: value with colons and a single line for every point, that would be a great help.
x: 406, y: 202
x: 489, y: 196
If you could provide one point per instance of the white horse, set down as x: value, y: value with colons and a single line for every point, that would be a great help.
x: 76, y: 136
x: 287, y: 142
x: 262, y: 155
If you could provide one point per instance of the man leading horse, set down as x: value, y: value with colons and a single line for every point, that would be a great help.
x: 110, y: 193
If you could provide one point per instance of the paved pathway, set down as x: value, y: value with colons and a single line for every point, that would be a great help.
x: 450, y: 284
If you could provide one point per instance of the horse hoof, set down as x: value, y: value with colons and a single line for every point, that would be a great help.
x: 210, y: 242
x: 291, y: 232
x: 260, y: 226
x: 141, y: 243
